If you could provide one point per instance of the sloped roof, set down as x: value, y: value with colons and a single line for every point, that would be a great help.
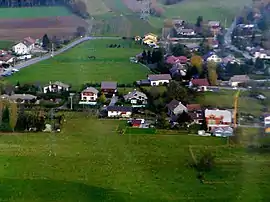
x: 157, y: 77
x: 22, y: 97
x: 119, y: 108
x: 133, y: 93
x: 108, y: 85
x: 29, y: 40
x: 59, y: 83
x: 194, y: 107
x: 90, y: 90
x: 200, y: 82
x: 239, y: 78
x: 173, y: 104
x: 6, y: 58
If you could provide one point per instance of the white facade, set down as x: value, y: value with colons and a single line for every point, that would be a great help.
x: 22, y: 49
x: 54, y: 88
x: 214, y: 58
x: 11, y: 60
x: 159, y: 82
x: 119, y: 114
x: 24, y: 57
x: 88, y: 98
x: 261, y: 55
x: 267, y: 120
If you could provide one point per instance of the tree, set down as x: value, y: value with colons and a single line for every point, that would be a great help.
x: 45, y: 42
x: 102, y: 98
x: 5, y: 125
x: 81, y: 31
x: 13, y: 115
x: 21, y: 121
x: 197, y: 61
x: 157, y: 55
x: 149, y: 57
x: 162, y: 122
x: 183, y: 118
x: 176, y: 91
x: 259, y: 64
x: 144, y: 55
x: 179, y: 50
x: 212, y: 73
x: 199, y: 21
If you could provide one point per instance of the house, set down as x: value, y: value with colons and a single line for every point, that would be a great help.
x: 119, y: 111
x: 24, y: 47
x: 136, y: 123
x: 192, y: 46
x: 89, y: 96
x: 238, y: 79
x: 150, y: 39
x: 262, y: 54
x: 200, y: 84
x: 211, y: 56
x: 109, y: 87
x: 175, y: 108
x: 223, y: 132
x: 195, y: 113
x: 20, y: 98
x: 186, y: 32
x: 230, y: 59
x: 266, y: 119
x: 178, y: 70
x: 56, y: 87
x: 175, y: 60
x: 217, y: 118
x: 159, y: 79
x: 214, y: 27
x: 7, y: 59
x: 136, y: 98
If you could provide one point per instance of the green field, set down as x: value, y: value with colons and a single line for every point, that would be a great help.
x: 225, y: 99
x: 33, y: 12
x: 74, y: 67
x: 6, y: 44
x: 94, y: 163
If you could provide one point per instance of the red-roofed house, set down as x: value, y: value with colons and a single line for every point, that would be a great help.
x: 201, y: 84
x: 175, y: 60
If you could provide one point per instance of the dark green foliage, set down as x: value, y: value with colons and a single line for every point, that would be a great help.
x: 46, y: 42
x: 5, y: 125
x: 206, y: 162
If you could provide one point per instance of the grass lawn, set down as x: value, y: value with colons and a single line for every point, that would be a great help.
x: 34, y: 12
x: 6, y: 44
x: 96, y: 7
x: 74, y: 67
x: 94, y: 163
x: 225, y: 99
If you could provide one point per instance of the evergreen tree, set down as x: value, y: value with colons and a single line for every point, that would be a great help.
x: 45, y: 42
x: 5, y: 125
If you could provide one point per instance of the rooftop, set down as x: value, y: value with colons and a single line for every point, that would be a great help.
x: 240, y: 78
x: 173, y: 104
x: 157, y: 77
x: 225, y: 114
x: 119, y: 108
x: 90, y: 90
x: 200, y: 82
x: 108, y: 85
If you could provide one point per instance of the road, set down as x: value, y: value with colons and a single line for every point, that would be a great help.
x: 228, y: 41
x: 48, y: 55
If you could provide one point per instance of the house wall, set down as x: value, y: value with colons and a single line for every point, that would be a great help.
x: 159, y: 82
x: 21, y: 49
x: 234, y: 83
x: 214, y: 58
x: 267, y: 120
x: 88, y: 96
x: 52, y: 89
x: 119, y: 114
x: 179, y: 109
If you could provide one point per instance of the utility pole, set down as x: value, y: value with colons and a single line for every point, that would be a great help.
x: 145, y: 6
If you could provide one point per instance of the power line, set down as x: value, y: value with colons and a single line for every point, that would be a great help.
x: 145, y: 6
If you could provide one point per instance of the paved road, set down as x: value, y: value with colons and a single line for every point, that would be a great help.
x: 47, y: 56
x: 228, y: 41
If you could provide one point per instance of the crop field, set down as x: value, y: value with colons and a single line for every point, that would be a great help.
x: 17, y: 23
x: 90, y: 161
x: 74, y: 67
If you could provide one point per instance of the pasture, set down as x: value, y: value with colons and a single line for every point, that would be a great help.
x: 90, y: 161
x: 33, y: 12
x: 74, y: 66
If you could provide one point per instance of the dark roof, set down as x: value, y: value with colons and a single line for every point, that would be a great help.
x: 173, y: 104
x: 195, y: 116
x: 200, y: 82
x: 156, y: 77
x: 194, y: 107
x: 6, y: 58
x: 108, y: 85
x: 119, y: 108
x: 135, y: 122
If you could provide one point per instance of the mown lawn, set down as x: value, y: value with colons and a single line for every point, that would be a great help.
x: 225, y: 99
x: 6, y: 44
x: 74, y: 67
x: 92, y: 162
x: 34, y: 12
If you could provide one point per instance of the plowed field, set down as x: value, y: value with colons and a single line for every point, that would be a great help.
x: 17, y: 29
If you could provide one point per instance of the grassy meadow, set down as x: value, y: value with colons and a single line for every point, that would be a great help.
x: 74, y: 66
x: 90, y: 161
x: 33, y: 12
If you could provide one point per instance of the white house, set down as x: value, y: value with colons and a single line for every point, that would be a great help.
x: 89, y: 96
x: 119, y: 111
x: 159, y: 79
x: 56, y: 87
x: 136, y: 98
x: 25, y: 46
x: 263, y: 54
x: 238, y: 79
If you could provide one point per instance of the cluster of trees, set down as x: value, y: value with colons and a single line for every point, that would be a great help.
x: 171, y: 2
